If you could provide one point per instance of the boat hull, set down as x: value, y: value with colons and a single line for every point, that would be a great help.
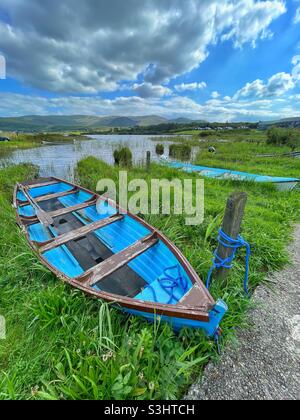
x: 114, y: 256
x: 210, y: 328
x: 282, y: 184
x: 287, y: 186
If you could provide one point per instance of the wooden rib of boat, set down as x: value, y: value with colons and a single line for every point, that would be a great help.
x: 95, y: 246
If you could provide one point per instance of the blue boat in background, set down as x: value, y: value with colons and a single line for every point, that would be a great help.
x: 92, y: 244
x: 282, y: 184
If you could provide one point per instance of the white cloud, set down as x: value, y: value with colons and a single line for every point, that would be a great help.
x: 253, y: 89
x: 92, y: 46
x: 295, y: 60
x: 147, y: 90
x: 173, y: 107
x: 215, y: 95
x: 295, y: 97
x: 296, y: 68
x: 249, y: 17
x: 190, y: 86
x: 297, y: 16
x: 277, y: 85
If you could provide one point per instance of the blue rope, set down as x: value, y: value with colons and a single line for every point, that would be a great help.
x: 233, y: 244
x: 169, y: 283
x: 217, y: 338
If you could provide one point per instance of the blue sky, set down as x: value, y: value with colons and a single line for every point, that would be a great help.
x: 211, y: 59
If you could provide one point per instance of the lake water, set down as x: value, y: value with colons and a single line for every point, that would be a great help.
x: 61, y: 159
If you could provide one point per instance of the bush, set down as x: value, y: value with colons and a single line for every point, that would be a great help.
x: 294, y: 140
x: 160, y: 149
x: 180, y: 151
x: 123, y: 157
x: 278, y: 136
x: 207, y: 133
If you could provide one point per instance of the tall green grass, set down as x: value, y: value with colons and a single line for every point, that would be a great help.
x: 267, y: 224
x: 160, y: 149
x: 62, y: 345
x: 180, y: 151
x: 246, y: 157
x: 123, y: 157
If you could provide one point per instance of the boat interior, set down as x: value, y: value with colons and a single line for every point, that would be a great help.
x: 92, y: 243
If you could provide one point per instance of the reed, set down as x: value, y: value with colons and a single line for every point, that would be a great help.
x: 123, y: 157
x: 181, y: 151
x: 160, y: 149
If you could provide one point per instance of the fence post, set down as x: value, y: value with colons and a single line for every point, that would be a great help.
x: 232, y: 222
x: 148, y: 161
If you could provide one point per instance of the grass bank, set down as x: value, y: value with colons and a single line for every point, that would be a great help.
x: 251, y: 136
x: 61, y: 345
x: 244, y: 156
x: 27, y: 141
x: 238, y: 146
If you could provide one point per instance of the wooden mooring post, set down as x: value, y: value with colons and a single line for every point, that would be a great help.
x: 148, y: 161
x: 232, y: 222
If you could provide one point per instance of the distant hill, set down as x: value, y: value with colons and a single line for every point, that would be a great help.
x: 182, y: 121
x: 75, y: 122
x: 284, y: 122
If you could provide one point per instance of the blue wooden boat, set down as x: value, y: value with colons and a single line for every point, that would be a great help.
x: 92, y: 244
x: 282, y: 184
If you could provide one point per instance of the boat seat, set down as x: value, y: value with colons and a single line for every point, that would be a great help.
x: 117, y: 261
x: 89, y: 251
x: 161, y: 294
x: 77, y: 233
x: 51, y: 196
x: 44, y: 183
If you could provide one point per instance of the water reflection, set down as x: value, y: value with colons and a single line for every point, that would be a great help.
x: 60, y: 160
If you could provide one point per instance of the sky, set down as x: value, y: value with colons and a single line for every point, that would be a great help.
x: 215, y: 60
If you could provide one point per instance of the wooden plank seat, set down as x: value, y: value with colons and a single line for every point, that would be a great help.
x: 40, y: 213
x: 49, y: 197
x: 71, y: 209
x: 42, y: 184
x: 45, y: 218
x: 117, y: 261
x: 77, y: 233
x: 195, y: 297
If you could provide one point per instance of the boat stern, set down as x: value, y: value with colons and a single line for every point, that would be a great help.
x: 210, y: 328
x: 215, y: 317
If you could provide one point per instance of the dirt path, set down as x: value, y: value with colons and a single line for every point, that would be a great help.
x: 265, y: 364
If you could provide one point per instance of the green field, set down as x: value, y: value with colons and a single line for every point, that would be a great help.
x: 62, y: 345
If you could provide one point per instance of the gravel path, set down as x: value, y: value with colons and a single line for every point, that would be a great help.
x: 265, y: 364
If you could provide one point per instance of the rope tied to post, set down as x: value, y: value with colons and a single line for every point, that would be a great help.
x: 234, y: 245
